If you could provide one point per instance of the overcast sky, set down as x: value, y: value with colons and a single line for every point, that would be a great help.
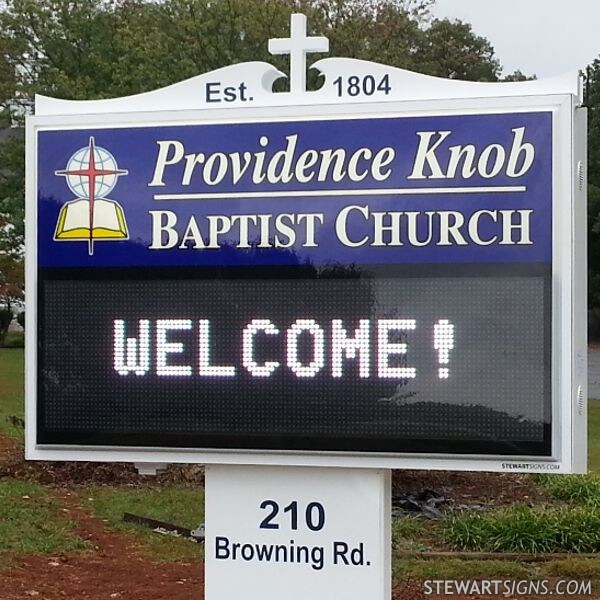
x: 542, y: 37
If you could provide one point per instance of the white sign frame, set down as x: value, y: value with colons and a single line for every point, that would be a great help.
x: 420, y: 95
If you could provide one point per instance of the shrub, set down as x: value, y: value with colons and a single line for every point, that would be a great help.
x: 578, y: 489
x: 525, y: 529
x: 21, y: 319
x: 5, y: 319
x: 14, y: 339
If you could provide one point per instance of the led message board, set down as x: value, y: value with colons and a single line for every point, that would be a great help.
x: 395, y: 285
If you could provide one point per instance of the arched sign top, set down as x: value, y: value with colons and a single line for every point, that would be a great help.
x: 347, y: 80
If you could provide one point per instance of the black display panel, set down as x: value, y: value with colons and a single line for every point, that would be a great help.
x: 389, y: 359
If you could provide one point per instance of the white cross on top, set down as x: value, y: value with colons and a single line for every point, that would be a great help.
x: 298, y: 45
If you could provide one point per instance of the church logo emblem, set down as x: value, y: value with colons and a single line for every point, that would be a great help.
x: 91, y: 175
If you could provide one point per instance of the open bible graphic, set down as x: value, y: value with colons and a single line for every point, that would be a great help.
x: 91, y: 174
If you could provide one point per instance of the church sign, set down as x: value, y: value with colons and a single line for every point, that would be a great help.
x: 388, y: 271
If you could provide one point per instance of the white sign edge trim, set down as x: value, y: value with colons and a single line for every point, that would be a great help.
x: 561, y: 462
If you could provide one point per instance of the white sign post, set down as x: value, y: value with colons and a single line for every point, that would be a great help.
x: 297, y: 533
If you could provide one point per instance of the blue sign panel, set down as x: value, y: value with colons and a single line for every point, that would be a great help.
x: 365, y: 284
x: 445, y: 189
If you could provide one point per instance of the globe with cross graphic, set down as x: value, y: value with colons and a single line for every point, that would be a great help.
x: 79, y: 183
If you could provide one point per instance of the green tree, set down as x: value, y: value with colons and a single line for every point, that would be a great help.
x: 517, y: 75
x: 12, y: 166
x: 108, y: 48
x: 451, y: 49
x: 592, y: 100
x: 12, y: 209
x: 11, y: 279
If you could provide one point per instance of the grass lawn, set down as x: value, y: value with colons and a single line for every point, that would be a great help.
x: 11, y: 388
x: 449, y: 568
x: 594, y: 436
x: 30, y: 522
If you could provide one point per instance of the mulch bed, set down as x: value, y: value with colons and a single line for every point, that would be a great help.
x: 493, y: 489
x: 64, y: 474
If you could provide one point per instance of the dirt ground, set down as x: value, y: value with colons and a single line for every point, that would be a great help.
x: 115, y: 568
x: 8, y: 448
